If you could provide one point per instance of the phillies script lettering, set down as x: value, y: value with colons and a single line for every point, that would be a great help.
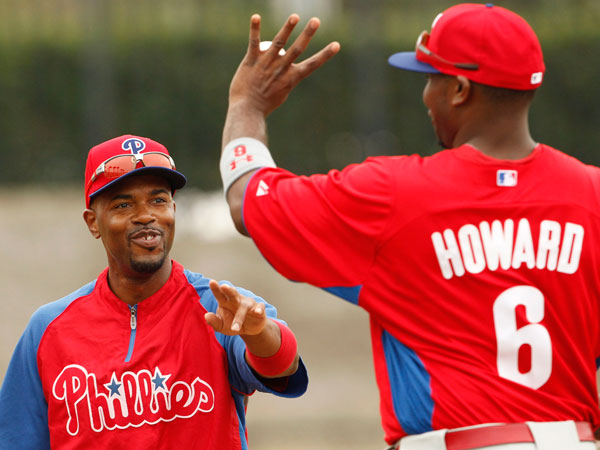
x: 131, y: 401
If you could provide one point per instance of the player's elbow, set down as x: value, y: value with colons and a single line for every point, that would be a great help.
x: 293, y: 367
x: 235, y: 199
x: 235, y: 209
x: 239, y: 224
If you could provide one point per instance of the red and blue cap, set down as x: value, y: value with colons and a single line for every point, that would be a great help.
x: 487, y: 44
x: 126, y: 145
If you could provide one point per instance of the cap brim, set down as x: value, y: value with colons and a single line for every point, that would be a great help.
x: 409, y: 61
x: 176, y: 180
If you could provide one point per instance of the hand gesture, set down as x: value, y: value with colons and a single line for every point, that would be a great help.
x: 236, y: 314
x: 265, y: 77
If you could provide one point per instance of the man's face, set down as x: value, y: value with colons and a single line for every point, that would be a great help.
x: 435, y: 98
x: 135, y: 219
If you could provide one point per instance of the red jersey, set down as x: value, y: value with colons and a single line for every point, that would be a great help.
x: 481, y: 278
x: 91, y: 372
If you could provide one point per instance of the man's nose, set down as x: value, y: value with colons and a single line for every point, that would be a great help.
x: 143, y: 215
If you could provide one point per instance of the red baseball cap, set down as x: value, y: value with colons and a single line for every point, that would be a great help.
x: 487, y: 44
x: 125, y: 156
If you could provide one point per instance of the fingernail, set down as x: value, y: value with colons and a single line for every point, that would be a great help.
x: 259, y: 310
x: 235, y: 326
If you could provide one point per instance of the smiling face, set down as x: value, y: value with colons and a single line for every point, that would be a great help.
x: 135, y: 219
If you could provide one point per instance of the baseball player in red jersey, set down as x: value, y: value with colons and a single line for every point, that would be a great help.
x: 150, y: 355
x: 479, y: 266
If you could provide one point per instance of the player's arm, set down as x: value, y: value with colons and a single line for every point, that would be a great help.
x: 261, y: 84
x: 271, y: 348
x: 23, y: 408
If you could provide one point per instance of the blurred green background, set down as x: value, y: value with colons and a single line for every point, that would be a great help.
x: 76, y: 72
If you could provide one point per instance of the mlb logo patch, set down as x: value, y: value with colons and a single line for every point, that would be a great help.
x: 506, y: 178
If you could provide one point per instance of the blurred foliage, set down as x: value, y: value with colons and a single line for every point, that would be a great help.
x: 76, y: 72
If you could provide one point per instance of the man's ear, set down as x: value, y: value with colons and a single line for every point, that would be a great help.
x: 461, y: 90
x: 89, y: 216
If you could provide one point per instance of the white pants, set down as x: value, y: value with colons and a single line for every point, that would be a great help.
x: 548, y: 436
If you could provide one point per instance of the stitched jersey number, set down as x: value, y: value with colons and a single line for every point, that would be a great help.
x: 510, y: 339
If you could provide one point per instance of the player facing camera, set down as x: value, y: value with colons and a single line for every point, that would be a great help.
x: 149, y: 353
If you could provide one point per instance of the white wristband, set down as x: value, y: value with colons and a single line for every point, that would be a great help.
x: 241, y: 156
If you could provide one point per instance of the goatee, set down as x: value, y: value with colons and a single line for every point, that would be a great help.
x: 147, y: 266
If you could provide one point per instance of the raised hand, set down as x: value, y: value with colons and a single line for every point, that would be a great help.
x: 265, y: 78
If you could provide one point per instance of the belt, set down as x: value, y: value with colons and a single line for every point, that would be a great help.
x: 511, y: 433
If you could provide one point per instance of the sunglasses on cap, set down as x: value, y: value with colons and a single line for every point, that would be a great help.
x: 421, y: 47
x: 119, y: 165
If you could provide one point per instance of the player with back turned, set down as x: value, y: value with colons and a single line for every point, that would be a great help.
x: 479, y: 266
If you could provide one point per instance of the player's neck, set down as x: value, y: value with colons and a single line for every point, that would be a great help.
x: 132, y: 288
x: 500, y: 137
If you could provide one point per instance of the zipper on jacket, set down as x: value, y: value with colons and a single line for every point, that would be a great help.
x: 133, y: 326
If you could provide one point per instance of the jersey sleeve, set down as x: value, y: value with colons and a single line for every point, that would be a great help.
x: 303, y: 225
x: 241, y: 377
x: 23, y: 408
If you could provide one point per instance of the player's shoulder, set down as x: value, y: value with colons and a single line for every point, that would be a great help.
x: 197, y: 280
x: 407, y: 169
x: 412, y: 163
x: 51, y: 310
x: 46, y: 314
x: 569, y: 177
x: 382, y: 168
x: 200, y: 284
x: 567, y: 160
x: 569, y: 166
x: 395, y: 160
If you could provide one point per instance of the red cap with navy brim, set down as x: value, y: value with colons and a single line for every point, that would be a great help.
x: 126, y: 145
x: 499, y: 42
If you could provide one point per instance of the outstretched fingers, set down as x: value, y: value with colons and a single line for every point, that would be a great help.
x: 236, y: 313
x: 309, y: 65
x: 264, y: 79
x: 302, y: 41
x: 283, y: 35
x: 239, y: 308
x: 218, y: 291
x: 254, y: 39
x: 246, y: 309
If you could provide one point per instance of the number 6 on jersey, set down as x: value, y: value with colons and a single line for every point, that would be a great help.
x: 510, y: 339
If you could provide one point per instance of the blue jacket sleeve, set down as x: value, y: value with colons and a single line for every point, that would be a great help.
x: 241, y: 377
x: 23, y: 407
